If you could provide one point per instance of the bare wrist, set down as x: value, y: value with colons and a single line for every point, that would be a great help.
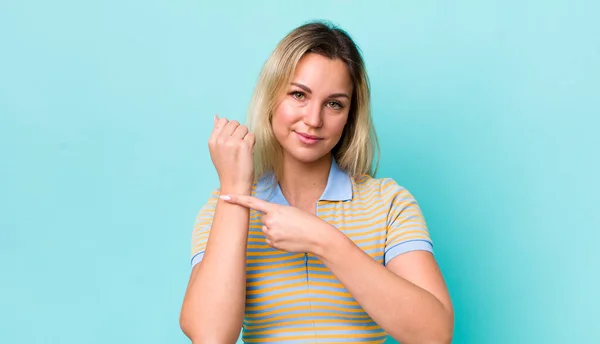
x: 328, y: 241
x: 237, y: 189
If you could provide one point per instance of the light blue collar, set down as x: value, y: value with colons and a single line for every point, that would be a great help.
x: 339, y: 187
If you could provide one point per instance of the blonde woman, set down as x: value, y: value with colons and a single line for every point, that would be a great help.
x: 300, y: 243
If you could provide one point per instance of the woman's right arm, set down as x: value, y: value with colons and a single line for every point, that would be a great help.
x: 213, y: 306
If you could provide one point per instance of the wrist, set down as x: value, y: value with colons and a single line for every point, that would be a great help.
x: 236, y: 188
x: 328, y: 242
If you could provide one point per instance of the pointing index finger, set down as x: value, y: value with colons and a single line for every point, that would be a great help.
x: 249, y: 202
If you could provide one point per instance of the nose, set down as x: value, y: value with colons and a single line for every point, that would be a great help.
x: 313, y: 117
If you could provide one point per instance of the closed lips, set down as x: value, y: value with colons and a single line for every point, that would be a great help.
x: 312, y: 137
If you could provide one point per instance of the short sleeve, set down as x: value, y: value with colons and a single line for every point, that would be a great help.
x: 202, y: 227
x: 406, y: 226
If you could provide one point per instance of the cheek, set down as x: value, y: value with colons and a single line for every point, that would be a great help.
x: 283, y: 117
x: 285, y: 112
x: 336, y: 127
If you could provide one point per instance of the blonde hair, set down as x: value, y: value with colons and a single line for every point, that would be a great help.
x: 358, y: 146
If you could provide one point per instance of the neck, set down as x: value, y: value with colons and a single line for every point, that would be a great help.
x: 301, y: 183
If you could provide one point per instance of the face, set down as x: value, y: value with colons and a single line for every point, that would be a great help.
x: 310, y: 118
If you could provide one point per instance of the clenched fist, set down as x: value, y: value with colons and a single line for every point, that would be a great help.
x: 231, y: 149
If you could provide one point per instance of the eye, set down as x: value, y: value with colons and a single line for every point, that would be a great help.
x: 298, y: 95
x: 335, y: 105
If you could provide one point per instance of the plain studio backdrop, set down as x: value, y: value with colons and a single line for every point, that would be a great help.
x: 487, y: 111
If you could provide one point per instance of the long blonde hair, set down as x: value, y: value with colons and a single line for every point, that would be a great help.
x: 358, y: 147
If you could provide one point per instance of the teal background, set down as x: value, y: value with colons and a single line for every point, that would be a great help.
x: 486, y: 111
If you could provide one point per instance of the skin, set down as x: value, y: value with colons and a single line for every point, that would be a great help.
x: 213, y: 305
x: 316, y: 103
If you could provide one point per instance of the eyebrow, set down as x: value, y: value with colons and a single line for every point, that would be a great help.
x: 308, y: 90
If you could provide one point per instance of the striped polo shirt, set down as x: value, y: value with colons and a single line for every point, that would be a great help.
x: 293, y: 297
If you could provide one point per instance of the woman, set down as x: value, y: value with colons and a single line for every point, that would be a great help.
x: 300, y: 243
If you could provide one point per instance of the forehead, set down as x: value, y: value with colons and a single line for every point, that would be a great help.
x: 322, y: 74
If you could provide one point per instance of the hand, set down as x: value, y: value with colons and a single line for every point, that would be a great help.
x: 286, y: 228
x: 231, y: 149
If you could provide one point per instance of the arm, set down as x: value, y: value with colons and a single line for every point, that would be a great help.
x: 408, y: 298
x: 213, y: 306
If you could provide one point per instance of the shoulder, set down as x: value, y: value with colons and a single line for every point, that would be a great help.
x: 383, y: 188
x: 213, y: 196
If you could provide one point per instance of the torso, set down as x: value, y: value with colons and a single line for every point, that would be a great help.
x: 293, y: 297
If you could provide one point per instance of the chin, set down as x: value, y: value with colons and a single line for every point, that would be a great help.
x: 306, y: 156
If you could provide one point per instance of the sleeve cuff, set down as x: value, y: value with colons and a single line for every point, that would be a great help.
x: 197, y: 258
x: 407, y: 246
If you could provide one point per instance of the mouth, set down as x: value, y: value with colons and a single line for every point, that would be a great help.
x: 308, y: 139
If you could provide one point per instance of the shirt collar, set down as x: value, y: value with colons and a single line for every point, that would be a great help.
x: 339, y: 187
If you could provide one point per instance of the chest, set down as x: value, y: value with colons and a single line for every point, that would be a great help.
x: 279, y: 282
x: 366, y: 227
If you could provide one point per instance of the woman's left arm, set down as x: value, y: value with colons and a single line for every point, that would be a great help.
x: 408, y: 297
